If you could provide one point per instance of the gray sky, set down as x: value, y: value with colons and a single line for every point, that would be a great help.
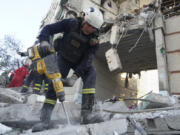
x: 22, y: 18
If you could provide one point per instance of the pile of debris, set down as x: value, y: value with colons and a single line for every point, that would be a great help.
x: 160, y: 115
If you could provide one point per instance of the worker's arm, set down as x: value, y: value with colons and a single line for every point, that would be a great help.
x: 50, y: 29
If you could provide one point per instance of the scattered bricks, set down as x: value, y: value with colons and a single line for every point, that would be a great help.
x: 104, y: 128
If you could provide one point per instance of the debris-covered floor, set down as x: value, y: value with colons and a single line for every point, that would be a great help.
x: 18, y: 113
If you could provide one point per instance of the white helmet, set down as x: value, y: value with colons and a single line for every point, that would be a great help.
x: 94, y: 17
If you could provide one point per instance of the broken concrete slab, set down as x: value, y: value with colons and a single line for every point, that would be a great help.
x: 161, y: 124
x: 118, y: 126
x: 173, y: 122
x: 158, y: 101
x: 20, y: 112
x: 62, y: 130
x: 11, y: 96
x: 117, y: 106
x: 13, y: 132
x: 25, y: 125
x: 72, y: 109
x: 24, y: 116
x: 30, y: 112
x: 4, y: 104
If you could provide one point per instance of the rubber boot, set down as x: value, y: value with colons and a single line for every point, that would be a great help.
x: 45, y: 118
x: 87, y: 117
x: 86, y: 107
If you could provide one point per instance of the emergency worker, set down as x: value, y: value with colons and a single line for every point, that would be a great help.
x: 38, y: 82
x: 18, y: 76
x: 34, y: 78
x: 76, y: 51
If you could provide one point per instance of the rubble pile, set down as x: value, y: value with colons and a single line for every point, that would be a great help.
x: 10, y: 96
x: 23, y: 113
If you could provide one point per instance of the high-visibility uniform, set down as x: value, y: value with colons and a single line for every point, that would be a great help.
x: 76, y: 51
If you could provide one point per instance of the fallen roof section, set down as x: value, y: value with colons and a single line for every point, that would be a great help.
x: 142, y: 57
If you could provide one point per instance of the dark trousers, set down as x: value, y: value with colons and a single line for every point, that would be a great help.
x: 38, y: 81
x: 29, y: 78
x: 89, y: 83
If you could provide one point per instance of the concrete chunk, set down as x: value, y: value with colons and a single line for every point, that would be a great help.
x: 115, y: 126
x: 117, y: 106
x: 173, y: 122
x: 109, y: 127
x: 159, y: 101
x: 10, y: 96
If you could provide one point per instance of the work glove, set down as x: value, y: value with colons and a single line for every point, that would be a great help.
x: 60, y: 96
x: 70, y: 81
x: 45, y: 47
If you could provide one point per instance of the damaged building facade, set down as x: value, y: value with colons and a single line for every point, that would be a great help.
x: 108, y: 83
x: 137, y: 35
x: 133, y: 29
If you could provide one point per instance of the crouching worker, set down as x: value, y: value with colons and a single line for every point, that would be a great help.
x: 76, y: 51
